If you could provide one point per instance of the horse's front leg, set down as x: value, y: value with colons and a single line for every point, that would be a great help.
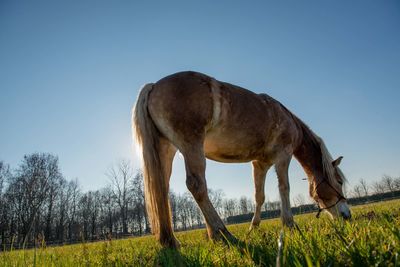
x: 195, y: 164
x: 259, y: 172
x: 282, y: 170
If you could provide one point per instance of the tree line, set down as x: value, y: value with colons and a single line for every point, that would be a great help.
x: 386, y: 184
x: 39, y: 205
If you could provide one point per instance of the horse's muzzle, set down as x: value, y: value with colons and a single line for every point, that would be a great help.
x: 344, y: 210
x: 346, y: 215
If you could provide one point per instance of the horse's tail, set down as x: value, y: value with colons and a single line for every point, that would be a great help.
x: 156, y: 188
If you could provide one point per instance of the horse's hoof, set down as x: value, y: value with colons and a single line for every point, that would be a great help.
x: 172, y: 243
x: 253, y: 226
x: 289, y: 223
x: 225, y: 236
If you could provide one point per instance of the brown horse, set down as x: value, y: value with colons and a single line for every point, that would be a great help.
x: 206, y: 118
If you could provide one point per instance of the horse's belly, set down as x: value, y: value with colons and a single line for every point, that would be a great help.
x: 228, y: 150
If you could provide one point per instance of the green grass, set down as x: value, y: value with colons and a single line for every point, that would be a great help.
x: 372, y: 238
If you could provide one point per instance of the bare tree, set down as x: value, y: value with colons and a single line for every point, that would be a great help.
x: 388, y: 183
x: 108, y: 208
x: 121, y: 177
x: 85, y: 210
x: 396, y: 183
x: 299, y: 200
x: 173, y: 200
x: 73, y: 205
x: 183, y: 210
x: 230, y: 207
x: 139, y: 205
x: 5, y: 174
x: 272, y: 205
x: 54, y: 190
x: 31, y: 187
x: 61, y: 205
x: 378, y: 187
x: 216, y: 198
x: 250, y: 205
x: 357, y: 191
x: 364, y: 187
x: 243, y: 205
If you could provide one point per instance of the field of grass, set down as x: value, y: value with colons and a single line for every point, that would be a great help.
x: 372, y: 238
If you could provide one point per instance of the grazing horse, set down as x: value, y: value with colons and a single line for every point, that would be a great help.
x: 206, y: 118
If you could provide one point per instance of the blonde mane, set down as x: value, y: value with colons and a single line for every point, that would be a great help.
x: 326, y: 157
x: 327, y: 160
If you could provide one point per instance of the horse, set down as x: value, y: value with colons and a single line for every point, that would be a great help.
x: 206, y: 118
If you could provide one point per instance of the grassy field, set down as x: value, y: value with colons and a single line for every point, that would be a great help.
x: 372, y: 238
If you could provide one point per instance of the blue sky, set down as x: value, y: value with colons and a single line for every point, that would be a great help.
x: 70, y: 73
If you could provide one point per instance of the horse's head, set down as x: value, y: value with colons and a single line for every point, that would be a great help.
x: 328, y: 192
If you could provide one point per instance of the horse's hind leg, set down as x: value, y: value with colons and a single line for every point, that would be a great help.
x: 195, y: 164
x: 167, y: 153
x: 259, y: 172
x: 282, y: 167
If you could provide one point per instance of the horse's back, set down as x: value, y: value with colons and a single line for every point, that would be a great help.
x: 233, y: 123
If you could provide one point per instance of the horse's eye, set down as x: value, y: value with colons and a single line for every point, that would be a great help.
x: 340, y: 182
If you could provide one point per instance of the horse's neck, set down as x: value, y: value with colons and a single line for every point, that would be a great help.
x: 309, y: 155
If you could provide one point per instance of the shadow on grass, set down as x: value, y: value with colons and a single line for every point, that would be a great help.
x: 170, y: 257
x: 256, y: 252
x: 259, y: 255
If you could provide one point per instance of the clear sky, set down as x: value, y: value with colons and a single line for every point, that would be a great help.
x: 70, y: 73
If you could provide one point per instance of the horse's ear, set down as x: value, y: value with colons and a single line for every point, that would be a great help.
x: 337, y: 161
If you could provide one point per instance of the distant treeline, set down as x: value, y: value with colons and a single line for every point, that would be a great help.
x: 307, y: 208
x: 39, y: 206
